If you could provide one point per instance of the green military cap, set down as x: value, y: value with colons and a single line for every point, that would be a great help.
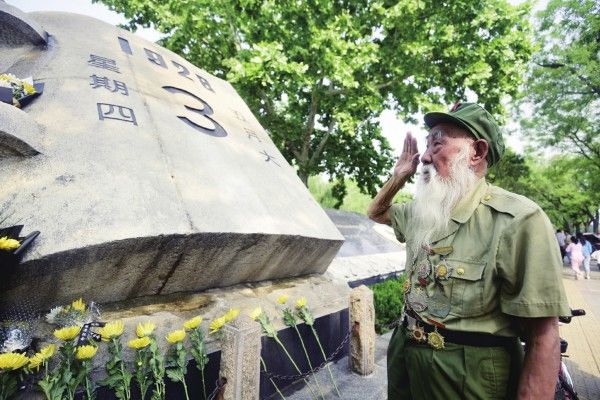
x: 477, y: 121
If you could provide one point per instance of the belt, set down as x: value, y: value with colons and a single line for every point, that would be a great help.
x: 476, y: 339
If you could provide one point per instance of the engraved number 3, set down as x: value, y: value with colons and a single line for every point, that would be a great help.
x: 214, y: 129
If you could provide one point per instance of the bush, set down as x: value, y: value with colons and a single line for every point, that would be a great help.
x: 388, y: 303
x: 354, y: 201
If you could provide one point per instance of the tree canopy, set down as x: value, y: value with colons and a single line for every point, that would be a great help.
x: 318, y: 73
x: 563, y: 86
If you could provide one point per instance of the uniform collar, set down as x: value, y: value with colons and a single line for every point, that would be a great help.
x: 463, y: 211
x: 466, y: 207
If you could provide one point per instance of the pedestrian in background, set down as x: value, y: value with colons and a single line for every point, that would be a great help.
x: 575, y: 251
x: 587, y: 254
x: 560, y: 237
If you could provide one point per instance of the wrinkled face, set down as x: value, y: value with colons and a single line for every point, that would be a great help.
x: 444, y: 142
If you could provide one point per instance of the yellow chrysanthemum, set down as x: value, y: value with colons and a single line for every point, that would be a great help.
x: 29, y: 89
x: 111, y: 330
x: 86, y: 352
x: 78, y: 305
x: 145, y: 329
x: 139, y: 343
x: 176, y: 336
x: 8, y: 244
x: 192, y: 323
x: 256, y: 313
x: 283, y: 299
x: 13, y: 361
x: 48, y: 351
x: 217, y: 324
x: 301, y: 302
x: 67, y: 333
x: 36, y: 361
x: 231, y: 314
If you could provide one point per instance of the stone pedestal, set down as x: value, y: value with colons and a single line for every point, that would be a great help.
x: 240, y: 359
x: 362, y: 326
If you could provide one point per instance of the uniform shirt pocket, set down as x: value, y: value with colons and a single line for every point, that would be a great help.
x: 467, y: 285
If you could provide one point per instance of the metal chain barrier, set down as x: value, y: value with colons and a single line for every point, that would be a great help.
x: 305, y: 375
x: 220, y: 384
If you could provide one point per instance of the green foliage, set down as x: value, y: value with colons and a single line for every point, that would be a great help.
x: 318, y: 74
x: 354, y: 200
x: 389, y: 299
x: 118, y: 378
x: 563, y: 84
x: 563, y: 186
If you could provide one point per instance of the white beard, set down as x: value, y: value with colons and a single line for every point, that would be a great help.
x: 436, y: 197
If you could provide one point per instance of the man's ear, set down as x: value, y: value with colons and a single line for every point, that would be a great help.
x: 481, y: 151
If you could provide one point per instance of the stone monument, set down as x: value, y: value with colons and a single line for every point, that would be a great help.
x: 144, y: 174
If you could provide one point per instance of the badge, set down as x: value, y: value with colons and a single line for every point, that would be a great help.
x: 424, y: 269
x: 418, y: 334
x: 442, y: 251
x: 438, y: 304
x: 417, y: 299
x: 442, y: 272
x: 436, y: 340
x: 406, y: 286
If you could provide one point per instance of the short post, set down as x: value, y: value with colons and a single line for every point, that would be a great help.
x: 240, y: 359
x: 362, y: 328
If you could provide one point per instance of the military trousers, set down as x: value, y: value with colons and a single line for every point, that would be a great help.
x: 417, y: 371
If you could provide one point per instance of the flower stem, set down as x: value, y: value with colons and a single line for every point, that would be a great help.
x: 118, y: 351
x: 203, y: 383
x: 295, y: 366
x: 325, y: 359
x: 308, y: 360
x: 271, y: 379
x: 187, y: 396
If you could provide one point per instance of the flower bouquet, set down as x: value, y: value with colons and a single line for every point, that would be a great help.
x: 12, y: 246
x: 18, y: 92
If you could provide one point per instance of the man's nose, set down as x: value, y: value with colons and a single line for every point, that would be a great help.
x: 426, y: 157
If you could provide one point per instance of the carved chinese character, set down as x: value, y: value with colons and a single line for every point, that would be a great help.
x: 251, y: 134
x: 269, y: 157
x: 155, y: 58
x: 103, y: 81
x: 107, y: 111
x: 103, y: 62
x: 239, y: 115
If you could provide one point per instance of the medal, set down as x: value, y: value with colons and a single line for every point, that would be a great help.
x: 424, y: 269
x: 442, y: 271
x: 406, y: 286
x: 417, y: 299
x: 418, y: 334
x: 436, y: 340
x: 438, y: 304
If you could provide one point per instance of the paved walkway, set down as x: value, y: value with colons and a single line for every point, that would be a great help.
x: 583, y: 334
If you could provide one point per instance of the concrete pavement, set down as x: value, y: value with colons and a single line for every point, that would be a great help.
x: 583, y: 333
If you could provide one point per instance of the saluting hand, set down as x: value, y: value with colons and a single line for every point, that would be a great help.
x: 406, y: 166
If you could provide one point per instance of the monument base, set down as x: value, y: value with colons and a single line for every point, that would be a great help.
x: 326, y: 298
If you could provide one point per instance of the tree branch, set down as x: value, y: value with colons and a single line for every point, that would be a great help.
x: 333, y: 92
x: 310, y: 122
x: 322, y: 143
x: 555, y: 65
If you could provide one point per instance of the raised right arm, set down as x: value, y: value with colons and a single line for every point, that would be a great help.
x: 405, y: 168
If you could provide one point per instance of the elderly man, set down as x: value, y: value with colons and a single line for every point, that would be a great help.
x: 477, y: 272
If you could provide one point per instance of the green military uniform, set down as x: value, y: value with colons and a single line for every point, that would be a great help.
x: 497, y: 259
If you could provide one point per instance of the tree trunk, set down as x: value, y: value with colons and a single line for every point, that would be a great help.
x: 303, y: 178
x: 595, y: 222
